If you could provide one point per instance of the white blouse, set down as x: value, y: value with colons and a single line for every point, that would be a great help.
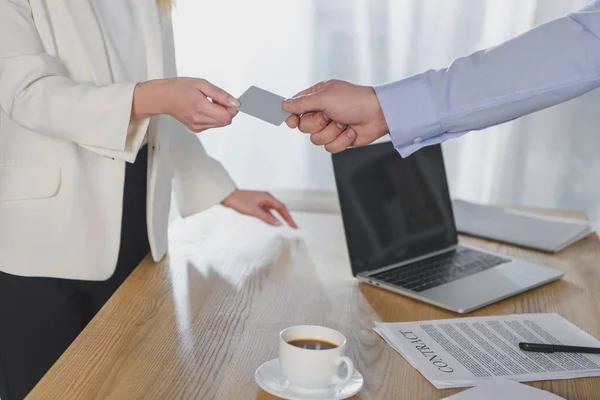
x: 123, y: 39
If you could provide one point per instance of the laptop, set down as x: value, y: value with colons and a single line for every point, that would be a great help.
x: 401, y: 234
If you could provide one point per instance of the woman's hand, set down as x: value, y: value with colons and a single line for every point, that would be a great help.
x: 196, y: 103
x: 259, y: 205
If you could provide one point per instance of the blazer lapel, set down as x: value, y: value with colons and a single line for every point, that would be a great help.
x: 150, y: 22
x: 89, y: 35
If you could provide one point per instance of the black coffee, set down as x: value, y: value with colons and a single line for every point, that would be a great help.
x: 313, y: 344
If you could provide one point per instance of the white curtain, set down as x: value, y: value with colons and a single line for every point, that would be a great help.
x: 545, y: 160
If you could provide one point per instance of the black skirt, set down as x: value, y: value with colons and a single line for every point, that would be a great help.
x: 40, y: 317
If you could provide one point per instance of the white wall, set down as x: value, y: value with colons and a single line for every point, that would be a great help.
x: 546, y: 160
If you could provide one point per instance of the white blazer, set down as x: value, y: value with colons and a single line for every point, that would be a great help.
x: 64, y: 143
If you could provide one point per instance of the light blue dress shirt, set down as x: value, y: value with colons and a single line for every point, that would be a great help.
x: 545, y: 66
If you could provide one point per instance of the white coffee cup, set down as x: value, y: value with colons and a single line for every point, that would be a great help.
x: 313, y: 369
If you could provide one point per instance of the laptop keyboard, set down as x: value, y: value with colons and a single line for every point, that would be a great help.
x: 438, y: 270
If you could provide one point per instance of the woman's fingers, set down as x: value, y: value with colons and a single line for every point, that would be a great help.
x: 198, y: 104
x: 274, y: 204
x: 232, y: 112
x: 217, y: 94
x: 266, y: 216
x: 202, y: 122
x: 221, y: 105
x: 214, y: 112
x: 201, y: 128
x: 259, y: 205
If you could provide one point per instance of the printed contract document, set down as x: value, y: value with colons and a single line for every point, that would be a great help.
x: 464, y: 352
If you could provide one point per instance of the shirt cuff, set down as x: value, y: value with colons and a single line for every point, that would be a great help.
x: 410, y: 113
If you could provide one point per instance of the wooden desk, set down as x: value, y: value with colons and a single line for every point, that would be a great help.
x: 181, y: 330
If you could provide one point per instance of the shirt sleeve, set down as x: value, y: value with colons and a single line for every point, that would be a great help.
x: 550, y: 64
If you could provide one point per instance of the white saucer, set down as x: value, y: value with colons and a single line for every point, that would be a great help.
x: 269, y: 377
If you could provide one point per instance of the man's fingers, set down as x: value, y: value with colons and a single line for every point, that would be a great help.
x: 217, y: 94
x: 302, y: 103
x: 345, y: 140
x: 312, y: 123
x: 305, y: 103
x: 293, y: 121
x: 313, y: 89
x: 327, y: 135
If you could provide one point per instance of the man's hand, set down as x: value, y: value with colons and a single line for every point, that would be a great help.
x: 259, y: 205
x: 337, y: 115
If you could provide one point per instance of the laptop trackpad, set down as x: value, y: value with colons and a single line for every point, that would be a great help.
x: 490, y: 286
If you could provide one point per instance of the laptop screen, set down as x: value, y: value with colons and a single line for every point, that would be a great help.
x: 394, y: 208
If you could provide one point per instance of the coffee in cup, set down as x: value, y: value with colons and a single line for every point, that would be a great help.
x: 313, y: 344
x: 310, y: 357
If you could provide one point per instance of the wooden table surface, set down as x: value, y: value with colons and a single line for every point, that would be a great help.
x: 183, y: 329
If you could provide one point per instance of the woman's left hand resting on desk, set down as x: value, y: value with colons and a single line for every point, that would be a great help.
x: 259, y: 205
